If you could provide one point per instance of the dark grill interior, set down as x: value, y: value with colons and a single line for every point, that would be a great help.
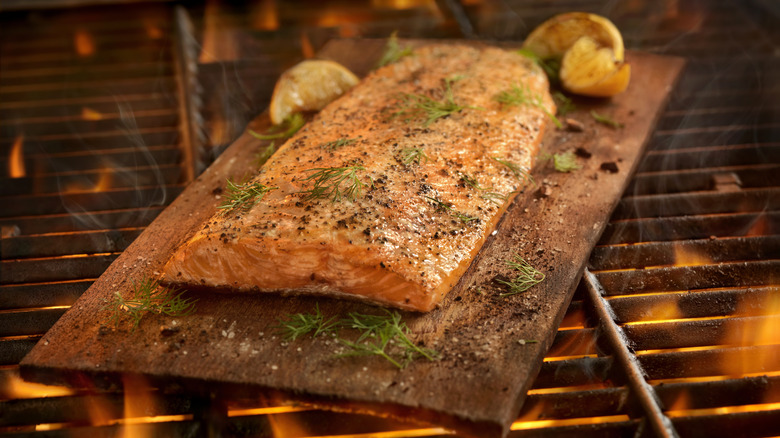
x: 107, y: 112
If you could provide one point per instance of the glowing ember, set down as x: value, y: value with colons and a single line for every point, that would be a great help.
x: 153, y: 30
x: 16, y: 168
x: 83, y: 43
x: 90, y: 114
x: 684, y: 256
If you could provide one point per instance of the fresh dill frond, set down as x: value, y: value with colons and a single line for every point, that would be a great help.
x: 299, y: 324
x: 494, y: 197
x: 243, y: 196
x: 550, y: 66
x: 384, y: 336
x: 565, y: 161
x: 516, y: 170
x: 444, y: 206
x: 470, y: 181
x: 411, y: 155
x: 522, y: 96
x: 149, y: 296
x: 527, y: 277
x: 604, y: 120
x: 565, y: 104
x: 328, y: 182
x: 335, y: 144
x: 416, y: 106
x: 262, y: 156
x: 393, y: 51
x: 290, y: 126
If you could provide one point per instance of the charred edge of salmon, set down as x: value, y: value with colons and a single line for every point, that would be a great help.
x: 325, y: 261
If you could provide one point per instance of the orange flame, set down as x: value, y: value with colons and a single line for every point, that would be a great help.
x: 18, y: 389
x: 84, y: 43
x: 684, y: 256
x: 760, y: 227
x: 219, y: 38
x: 306, y: 47
x: 265, y: 16
x: 16, y: 167
x: 104, y: 182
x: 90, y: 114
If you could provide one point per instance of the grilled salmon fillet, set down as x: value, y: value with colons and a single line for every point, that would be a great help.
x: 377, y: 198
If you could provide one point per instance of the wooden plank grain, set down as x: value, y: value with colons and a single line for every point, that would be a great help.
x: 477, y: 387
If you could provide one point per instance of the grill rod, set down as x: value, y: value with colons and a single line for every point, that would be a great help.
x: 618, y: 341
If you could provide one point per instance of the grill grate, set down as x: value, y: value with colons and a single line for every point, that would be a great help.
x: 688, y: 263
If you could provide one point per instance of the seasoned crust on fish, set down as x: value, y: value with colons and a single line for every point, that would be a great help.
x: 414, y: 227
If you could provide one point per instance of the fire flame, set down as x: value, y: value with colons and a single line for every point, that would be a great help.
x: 264, y: 16
x: 152, y: 29
x: 219, y: 38
x: 19, y: 389
x: 83, y: 43
x: 90, y: 114
x: 104, y: 182
x: 16, y: 168
x: 684, y: 256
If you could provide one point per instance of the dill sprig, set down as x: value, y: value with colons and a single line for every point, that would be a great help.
x: 441, y: 205
x: 262, y: 156
x: 300, y: 324
x: 414, y: 106
x: 149, y: 296
x: 494, y: 197
x: 604, y: 120
x: 516, y: 170
x: 411, y: 155
x: 290, y: 126
x: 550, y: 66
x: 470, y: 181
x: 384, y: 336
x: 243, y: 196
x: 522, y: 96
x: 564, y: 162
x: 393, y: 51
x: 328, y: 182
x: 335, y: 144
x: 527, y: 277
x: 565, y: 105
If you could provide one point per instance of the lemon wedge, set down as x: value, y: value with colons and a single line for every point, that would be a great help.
x: 590, y: 49
x: 309, y: 86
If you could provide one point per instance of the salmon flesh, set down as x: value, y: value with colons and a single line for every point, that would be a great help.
x: 388, y: 194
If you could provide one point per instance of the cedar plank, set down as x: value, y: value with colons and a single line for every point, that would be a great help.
x: 477, y: 387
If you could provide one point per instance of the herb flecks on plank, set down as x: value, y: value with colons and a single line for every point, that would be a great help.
x: 418, y: 106
x: 517, y: 170
x: 411, y: 155
x: 290, y: 126
x: 527, y: 276
x: 299, y: 324
x: 385, y: 336
x: 149, y: 296
x: 441, y: 205
x: 518, y: 96
x: 604, y: 120
x: 328, y: 183
x: 393, y: 51
x: 485, y: 193
x: 335, y: 144
x: 243, y: 196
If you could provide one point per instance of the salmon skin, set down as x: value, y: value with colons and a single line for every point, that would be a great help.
x: 376, y: 200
